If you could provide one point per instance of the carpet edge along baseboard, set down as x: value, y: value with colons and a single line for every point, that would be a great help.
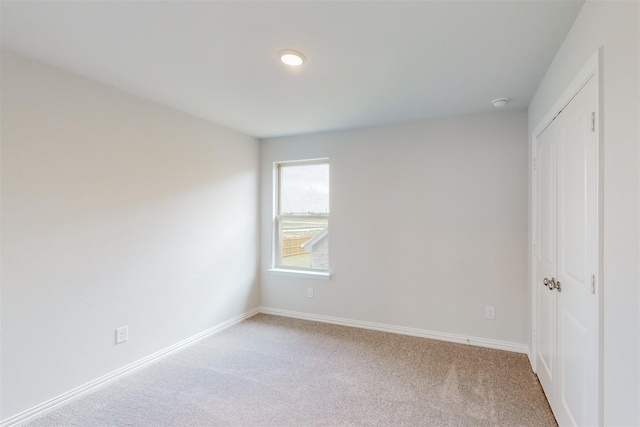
x: 415, y: 332
x: 77, y: 392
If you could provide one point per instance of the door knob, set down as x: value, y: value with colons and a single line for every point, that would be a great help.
x: 552, y: 284
x: 556, y: 284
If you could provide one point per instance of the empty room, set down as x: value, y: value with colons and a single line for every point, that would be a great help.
x: 320, y: 213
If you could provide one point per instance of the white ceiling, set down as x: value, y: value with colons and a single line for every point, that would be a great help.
x: 369, y: 63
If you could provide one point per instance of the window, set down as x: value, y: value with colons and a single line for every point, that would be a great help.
x: 302, y: 216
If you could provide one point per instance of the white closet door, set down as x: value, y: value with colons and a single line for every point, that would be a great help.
x: 577, y: 260
x: 567, y: 260
x: 546, y: 258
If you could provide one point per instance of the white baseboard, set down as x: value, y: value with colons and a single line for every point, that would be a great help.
x: 125, y: 370
x: 531, y: 361
x: 442, y: 336
x: 92, y: 385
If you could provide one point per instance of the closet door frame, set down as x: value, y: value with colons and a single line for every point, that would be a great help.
x: 592, y: 69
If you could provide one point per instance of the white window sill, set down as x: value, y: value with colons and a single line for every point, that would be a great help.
x: 317, y: 275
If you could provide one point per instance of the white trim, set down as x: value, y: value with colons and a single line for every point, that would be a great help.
x: 303, y: 274
x: 403, y: 330
x: 315, y: 161
x: 592, y: 69
x: 77, y: 392
x: 599, y: 75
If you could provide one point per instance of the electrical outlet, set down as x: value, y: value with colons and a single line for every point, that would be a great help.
x: 310, y: 292
x: 122, y: 334
x: 490, y: 313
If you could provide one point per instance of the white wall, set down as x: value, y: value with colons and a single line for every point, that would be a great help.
x: 115, y: 211
x: 612, y: 25
x: 428, y: 225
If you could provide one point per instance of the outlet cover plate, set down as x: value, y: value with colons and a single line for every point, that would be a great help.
x: 122, y: 334
x: 490, y: 313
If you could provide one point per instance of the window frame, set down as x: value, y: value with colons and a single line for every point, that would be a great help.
x: 278, y: 218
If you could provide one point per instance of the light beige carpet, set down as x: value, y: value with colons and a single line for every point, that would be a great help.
x: 276, y: 371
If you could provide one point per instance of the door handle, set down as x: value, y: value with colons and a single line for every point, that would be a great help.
x: 556, y: 284
x: 552, y: 284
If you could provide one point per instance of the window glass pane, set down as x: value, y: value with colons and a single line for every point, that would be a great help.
x: 305, y: 242
x: 304, y: 189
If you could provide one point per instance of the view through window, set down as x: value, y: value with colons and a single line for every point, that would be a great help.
x: 302, y: 220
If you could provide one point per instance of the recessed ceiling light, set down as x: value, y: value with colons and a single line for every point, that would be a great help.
x: 500, y: 102
x: 291, y: 57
